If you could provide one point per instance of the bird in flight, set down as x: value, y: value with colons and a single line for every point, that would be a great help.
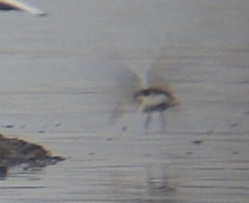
x: 7, y: 5
x: 150, y: 94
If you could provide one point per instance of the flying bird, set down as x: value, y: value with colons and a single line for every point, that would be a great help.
x: 149, y: 93
x: 7, y: 5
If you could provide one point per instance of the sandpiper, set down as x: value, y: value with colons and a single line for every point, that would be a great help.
x: 155, y: 99
x: 151, y: 95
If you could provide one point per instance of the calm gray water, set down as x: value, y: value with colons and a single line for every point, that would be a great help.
x: 55, y: 72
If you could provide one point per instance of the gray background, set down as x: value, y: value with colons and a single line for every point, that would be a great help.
x: 55, y: 72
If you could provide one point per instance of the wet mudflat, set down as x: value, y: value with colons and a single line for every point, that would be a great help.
x: 54, y: 81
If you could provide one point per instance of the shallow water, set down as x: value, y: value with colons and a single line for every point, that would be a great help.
x: 55, y: 74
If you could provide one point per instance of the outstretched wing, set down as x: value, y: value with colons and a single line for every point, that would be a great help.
x: 163, y: 72
x: 127, y: 82
x: 18, y: 5
x: 157, y: 78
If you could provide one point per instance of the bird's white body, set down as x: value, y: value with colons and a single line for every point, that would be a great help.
x: 152, y: 100
x: 19, y: 5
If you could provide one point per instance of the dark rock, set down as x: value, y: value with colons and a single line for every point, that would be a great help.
x: 234, y: 125
x: 3, y: 171
x: 15, y: 151
x: 197, y: 142
x: 9, y: 126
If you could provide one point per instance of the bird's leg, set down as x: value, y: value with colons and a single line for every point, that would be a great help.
x: 162, y: 121
x: 147, y: 121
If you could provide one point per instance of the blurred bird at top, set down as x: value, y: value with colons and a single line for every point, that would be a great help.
x: 150, y: 93
x: 7, y: 5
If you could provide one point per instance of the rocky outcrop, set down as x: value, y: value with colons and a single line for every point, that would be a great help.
x: 15, y: 151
